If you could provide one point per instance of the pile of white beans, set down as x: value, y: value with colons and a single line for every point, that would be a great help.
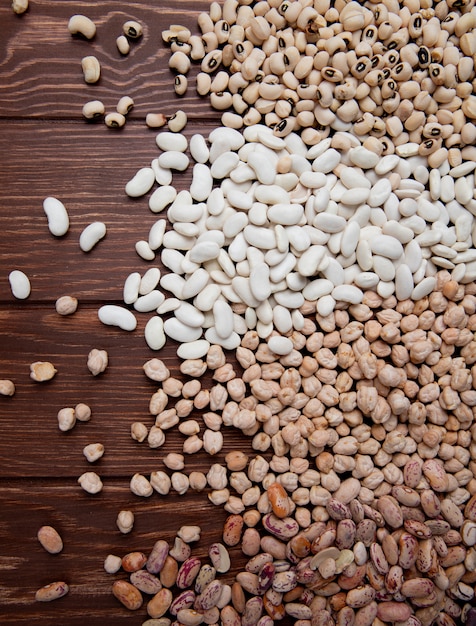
x: 270, y: 225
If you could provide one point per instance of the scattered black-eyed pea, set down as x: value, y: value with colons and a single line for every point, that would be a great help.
x: 155, y: 120
x: 66, y: 305
x: 7, y: 387
x: 42, y: 371
x: 123, y: 45
x: 50, y: 539
x: 20, y: 6
x: 132, y: 29
x: 115, y: 120
x: 125, y: 105
x: 82, y: 25
x: 177, y: 121
x: 52, y: 591
x: 93, y: 110
x: 91, y: 69
x: 180, y: 84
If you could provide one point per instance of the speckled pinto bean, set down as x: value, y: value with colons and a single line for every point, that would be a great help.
x: 219, y: 557
x: 160, y: 603
x: 278, y: 498
x: 127, y: 594
x: 133, y: 561
x: 284, y: 528
x: 209, y: 596
x: 188, y: 572
x: 393, y: 611
x: 145, y: 582
x: 52, y: 591
x: 232, y: 529
x: 184, y: 600
x: 157, y: 556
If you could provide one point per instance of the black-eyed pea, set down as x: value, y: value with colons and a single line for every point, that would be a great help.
x: 114, y: 120
x: 82, y: 25
x: 155, y: 120
x: 92, y: 110
x: 91, y: 69
x: 177, y: 121
x: 180, y: 84
x: 123, y: 45
x: 132, y: 29
x: 125, y: 105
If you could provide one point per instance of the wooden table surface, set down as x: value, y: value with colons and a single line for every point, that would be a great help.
x: 47, y: 149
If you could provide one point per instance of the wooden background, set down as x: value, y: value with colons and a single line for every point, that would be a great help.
x: 46, y: 148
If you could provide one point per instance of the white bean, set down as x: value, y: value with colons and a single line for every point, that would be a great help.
x: 19, y: 284
x: 92, y: 235
x: 140, y: 183
x: 58, y: 219
x: 114, y: 315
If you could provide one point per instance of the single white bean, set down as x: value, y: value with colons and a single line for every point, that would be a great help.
x: 154, y: 333
x: 140, y: 183
x: 91, y: 235
x: 114, y: 315
x: 19, y: 284
x: 58, y: 220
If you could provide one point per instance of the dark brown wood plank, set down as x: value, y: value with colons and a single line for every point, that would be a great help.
x: 87, y: 525
x: 41, y: 76
x: 86, y: 167
x: 48, y: 149
x: 33, y: 445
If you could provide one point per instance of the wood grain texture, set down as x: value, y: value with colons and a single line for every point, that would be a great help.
x: 46, y: 148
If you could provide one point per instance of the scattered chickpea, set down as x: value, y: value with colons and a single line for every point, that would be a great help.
x: 42, y: 371
x: 97, y: 361
x: 7, y: 387
x: 20, y: 6
x: 90, y: 482
x: 67, y: 305
x: 93, y: 452
x: 125, y: 521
